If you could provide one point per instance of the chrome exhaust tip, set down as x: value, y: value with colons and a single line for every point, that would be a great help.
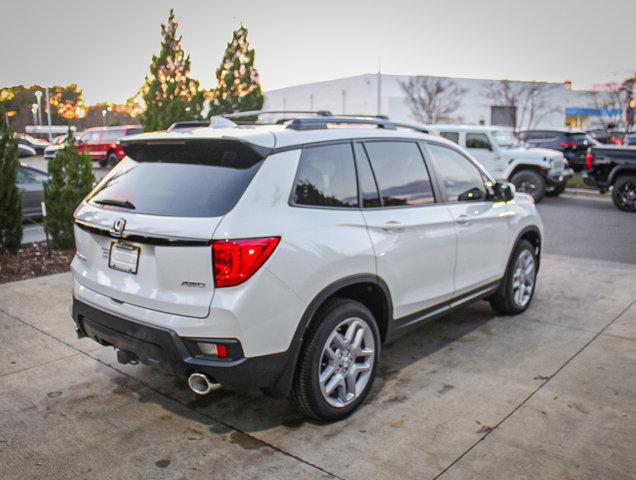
x: 200, y: 384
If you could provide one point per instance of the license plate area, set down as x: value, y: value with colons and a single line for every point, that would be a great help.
x: 123, y: 257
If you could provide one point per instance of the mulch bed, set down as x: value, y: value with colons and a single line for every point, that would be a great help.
x: 33, y: 261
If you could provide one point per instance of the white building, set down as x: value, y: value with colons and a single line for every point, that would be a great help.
x: 373, y: 94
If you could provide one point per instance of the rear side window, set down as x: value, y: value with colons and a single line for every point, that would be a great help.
x: 400, y: 173
x: 113, y: 135
x: 460, y: 178
x: 478, y: 140
x: 452, y: 136
x: 193, y: 179
x: 326, y: 177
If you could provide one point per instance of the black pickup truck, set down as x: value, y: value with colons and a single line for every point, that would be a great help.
x: 613, y: 168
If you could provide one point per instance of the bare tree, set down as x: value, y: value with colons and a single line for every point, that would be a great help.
x: 612, y: 100
x: 432, y: 99
x: 529, y: 102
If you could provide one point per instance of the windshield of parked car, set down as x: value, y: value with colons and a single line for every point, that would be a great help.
x: 505, y: 139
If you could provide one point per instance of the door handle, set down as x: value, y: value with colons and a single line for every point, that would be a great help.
x: 463, y: 220
x: 393, y: 226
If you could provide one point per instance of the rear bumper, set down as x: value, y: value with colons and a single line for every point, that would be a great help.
x: 162, y: 347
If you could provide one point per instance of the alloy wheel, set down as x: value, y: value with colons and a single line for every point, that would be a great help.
x: 626, y: 196
x: 346, y: 362
x: 523, y: 278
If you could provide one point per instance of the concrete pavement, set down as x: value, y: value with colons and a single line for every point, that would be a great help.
x: 548, y: 394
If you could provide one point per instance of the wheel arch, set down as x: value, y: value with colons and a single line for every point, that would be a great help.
x: 526, y: 166
x: 368, y: 289
x: 533, y: 235
x: 619, y: 171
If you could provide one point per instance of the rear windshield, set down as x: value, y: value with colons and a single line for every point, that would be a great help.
x: 198, y: 179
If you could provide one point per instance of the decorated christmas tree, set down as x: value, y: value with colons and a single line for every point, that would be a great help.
x: 168, y: 92
x: 238, y: 87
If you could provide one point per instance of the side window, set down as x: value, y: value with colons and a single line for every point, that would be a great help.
x: 461, y: 179
x: 29, y: 176
x: 326, y: 177
x: 478, y: 140
x: 452, y: 136
x: 400, y: 173
x: 368, y: 187
x: 85, y: 136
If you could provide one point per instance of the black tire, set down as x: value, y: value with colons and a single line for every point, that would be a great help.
x: 103, y: 163
x: 529, y: 181
x: 556, y: 191
x: 306, y: 395
x: 112, y: 159
x: 503, y: 301
x: 624, y: 193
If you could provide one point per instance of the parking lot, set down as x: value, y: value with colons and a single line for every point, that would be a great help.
x: 548, y: 394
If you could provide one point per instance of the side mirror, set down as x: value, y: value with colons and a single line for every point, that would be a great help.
x: 504, y: 191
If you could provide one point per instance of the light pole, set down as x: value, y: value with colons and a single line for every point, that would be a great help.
x: 38, y: 97
x: 34, y: 111
x: 104, y: 112
x: 48, y: 112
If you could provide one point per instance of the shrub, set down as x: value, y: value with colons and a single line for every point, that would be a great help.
x: 71, y: 180
x: 10, y: 198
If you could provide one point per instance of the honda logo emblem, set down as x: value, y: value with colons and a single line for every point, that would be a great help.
x: 118, y: 227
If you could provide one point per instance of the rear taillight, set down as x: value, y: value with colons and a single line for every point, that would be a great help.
x: 235, y: 261
x: 589, y: 160
x: 569, y: 144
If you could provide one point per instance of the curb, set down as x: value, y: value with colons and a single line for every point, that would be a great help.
x: 588, y: 192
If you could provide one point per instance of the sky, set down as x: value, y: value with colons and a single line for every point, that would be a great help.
x: 105, y: 46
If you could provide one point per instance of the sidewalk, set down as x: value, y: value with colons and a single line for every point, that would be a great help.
x: 548, y: 394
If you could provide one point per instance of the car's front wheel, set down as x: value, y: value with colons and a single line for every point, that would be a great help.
x: 338, y: 362
x: 530, y: 182
x: 624, y: 193
x: 517, y: 287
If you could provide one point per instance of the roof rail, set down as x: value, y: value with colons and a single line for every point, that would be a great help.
x: 315, y: 123
x: 255, y: 113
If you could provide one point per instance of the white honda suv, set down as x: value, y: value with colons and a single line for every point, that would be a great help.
x: 283, y: 257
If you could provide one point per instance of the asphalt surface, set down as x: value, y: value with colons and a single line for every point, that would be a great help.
x: 588, y: 226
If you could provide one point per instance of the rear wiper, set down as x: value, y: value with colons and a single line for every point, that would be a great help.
x: 116, y: 203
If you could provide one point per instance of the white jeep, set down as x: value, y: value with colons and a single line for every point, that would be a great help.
x: 536, y: 171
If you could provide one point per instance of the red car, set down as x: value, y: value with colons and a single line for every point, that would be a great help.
x: 102, y: 144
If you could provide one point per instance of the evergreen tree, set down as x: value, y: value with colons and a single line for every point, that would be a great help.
x: 239, y: 87
x: 169, y: 93
x: 72, y: 179
x: 10, y: 201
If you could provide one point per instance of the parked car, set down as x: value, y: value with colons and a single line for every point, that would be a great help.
x: 536, y: 171
x: 30, y: 182
x: 613, y: 168
x: 573, y: 143
x: 58, y: 144
x: 283, y: 257
x: 630, y: 139
x: 607, y: 137
x: 35, y: 143
x: 25, y: 151
x: 102, y: 143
